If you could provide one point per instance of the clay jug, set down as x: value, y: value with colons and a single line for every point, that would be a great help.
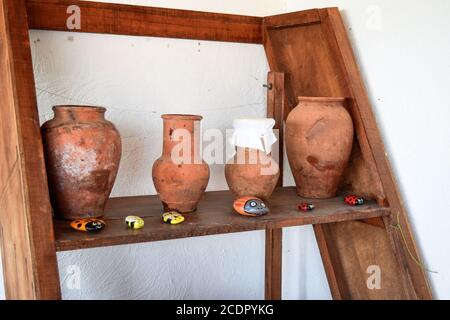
x: 252, y: 172
x: 180, y: 175
x: 82, y: 154
x: 319, y: 138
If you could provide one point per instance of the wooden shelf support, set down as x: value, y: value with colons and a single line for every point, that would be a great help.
x: 273, y: 266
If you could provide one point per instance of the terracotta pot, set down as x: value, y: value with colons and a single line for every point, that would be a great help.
x: 319, y: 138
x: 82, y: 153
x: 252, y: 172
x: 181, y: 180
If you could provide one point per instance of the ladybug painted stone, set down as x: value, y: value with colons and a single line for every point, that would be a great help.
x: 353, y: 200
x: 305, y: 207
x: 250, y: 206
x: 88, y: 225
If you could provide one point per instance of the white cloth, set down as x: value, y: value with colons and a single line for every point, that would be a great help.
x: 254, y: 134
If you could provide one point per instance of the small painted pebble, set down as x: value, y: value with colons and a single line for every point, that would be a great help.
x: 88, y: 225
x: 305, y: 207
x: 353, y: 200
x: 173, y: 218
x: 134, y: 222
x: 250, y: 206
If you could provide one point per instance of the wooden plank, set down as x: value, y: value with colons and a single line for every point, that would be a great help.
x: 356, y: 85
x: 29, y: 254
x: 350, y: 250
x: 275, y: 110
x: 97, y: 17
x: 273, y: 264
x: 332, y: 271
x: 215, y: 215
x: 293, y: 19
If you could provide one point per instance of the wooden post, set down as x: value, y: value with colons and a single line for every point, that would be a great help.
x: 275, y: 110
x: 274, y: 240
x: 27, y: 238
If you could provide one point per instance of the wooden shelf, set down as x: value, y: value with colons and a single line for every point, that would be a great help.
x: 214, y: 216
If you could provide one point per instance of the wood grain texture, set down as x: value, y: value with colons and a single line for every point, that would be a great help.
x: 292, y: 19
x: 353, y: 247
x: 123, y: 19
x: 333, y: 271
x: 215, y: 215
x: 29, y: 254
x: 356, y: 85
x: 275, y: 110
x: 273, y: 264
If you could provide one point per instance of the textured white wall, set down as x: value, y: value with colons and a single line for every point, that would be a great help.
x: 403, y: 51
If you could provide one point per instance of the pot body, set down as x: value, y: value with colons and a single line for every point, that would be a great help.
x: 180, y: 175
x: 82, y: 153
x: 319, y: 139
x: 252, y: 173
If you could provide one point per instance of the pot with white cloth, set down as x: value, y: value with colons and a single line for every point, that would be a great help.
x: 252, y: 171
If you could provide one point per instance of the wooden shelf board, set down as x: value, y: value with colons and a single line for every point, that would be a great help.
x: 214, y: 216
x: 122, y: 19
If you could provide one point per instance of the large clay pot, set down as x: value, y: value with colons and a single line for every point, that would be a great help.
x: 319, y: 138
x: 256, y: 175
x: 180, y: 175
x: 82, y: 153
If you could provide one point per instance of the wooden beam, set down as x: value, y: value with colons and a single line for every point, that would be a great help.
x: 275, y: 110
x: 292, y: 19
x: 333, y: 271
x: 27, y: 237
x: 97, y: 17
x: 273, y: 271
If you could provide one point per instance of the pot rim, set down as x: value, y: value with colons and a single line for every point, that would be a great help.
x: 182, y: 116
x: 321, y: 99
x: 79, y: 107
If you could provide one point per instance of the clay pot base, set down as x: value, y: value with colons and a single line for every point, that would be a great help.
x: 182, y: 207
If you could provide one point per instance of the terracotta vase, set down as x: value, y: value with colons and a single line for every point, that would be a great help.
x: 180, y: 175
x: 252, y: 173
x: 82, y: 153
x: 319, y: 139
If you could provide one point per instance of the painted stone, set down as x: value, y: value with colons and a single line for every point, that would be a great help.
x: 353, y: 200
x: 173, y: 218
x: 250, y: 206
x: 88, y: 225
x: 134, y: 222
x: 305, y: 207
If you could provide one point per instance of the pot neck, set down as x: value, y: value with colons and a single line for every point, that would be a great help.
x: 79, y: 113
x: 183, y: 133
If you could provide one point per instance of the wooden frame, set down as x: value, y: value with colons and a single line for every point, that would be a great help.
x: 26, y: 224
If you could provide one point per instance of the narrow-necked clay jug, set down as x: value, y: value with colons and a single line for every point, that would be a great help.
x: 319, y: 138
x: 82, y: 154
x: 252, y: 172
x: 180, y: 175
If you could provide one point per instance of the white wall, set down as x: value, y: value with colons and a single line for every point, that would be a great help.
x: 404, y: 60
x: 403, y: 49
